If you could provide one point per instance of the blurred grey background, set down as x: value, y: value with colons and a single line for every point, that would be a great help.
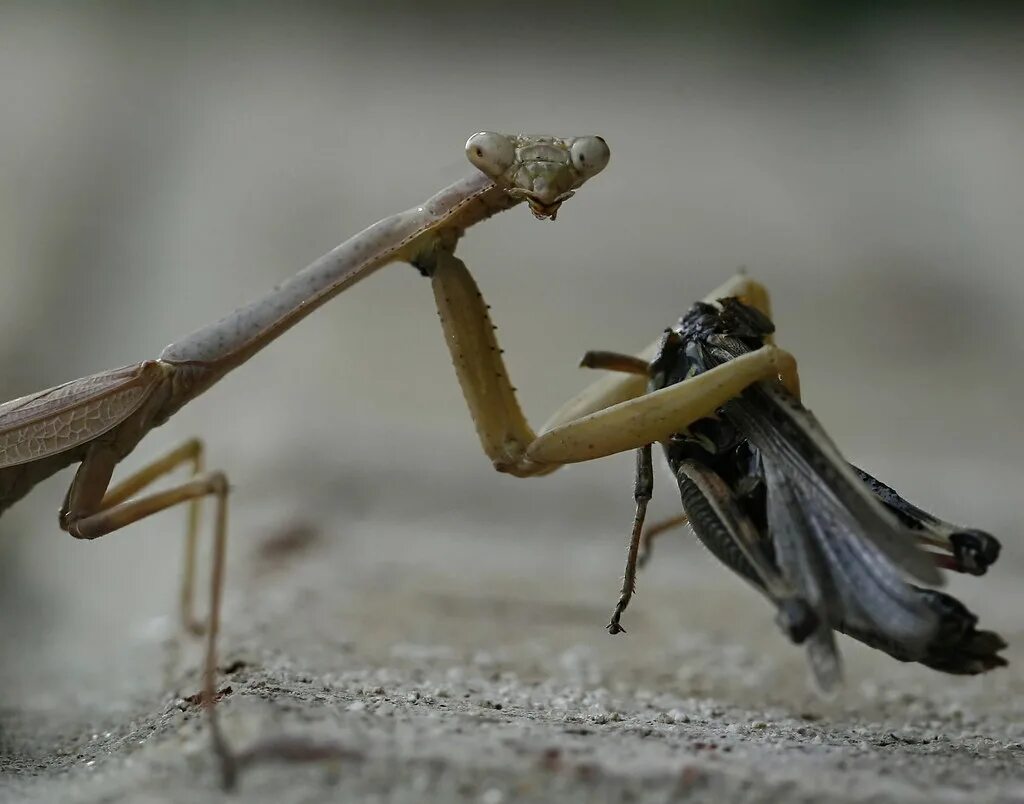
x: 159, y: 168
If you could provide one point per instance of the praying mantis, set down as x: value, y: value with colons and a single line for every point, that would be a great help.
x: 96, y: 421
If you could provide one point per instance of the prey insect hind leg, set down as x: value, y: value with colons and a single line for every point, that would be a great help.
x: 726, y: 530
x: 652, y: 532
x: 966, y: 550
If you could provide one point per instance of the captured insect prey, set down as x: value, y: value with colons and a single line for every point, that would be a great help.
x: 767, y: 492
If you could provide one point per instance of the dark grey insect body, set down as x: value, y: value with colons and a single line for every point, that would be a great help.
x: 766, y: 490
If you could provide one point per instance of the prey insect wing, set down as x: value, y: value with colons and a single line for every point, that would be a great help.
x: 958, y: 647
x: 789, y: 435
x: 856, y: 581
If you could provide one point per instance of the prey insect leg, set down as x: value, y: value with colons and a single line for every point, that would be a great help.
x: 964, y: 549
x: 652, y: 532
x: 614, y: 361
x: 727, y: 531
x: 642, y: 491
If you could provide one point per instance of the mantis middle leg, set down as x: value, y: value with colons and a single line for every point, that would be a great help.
x: 90, y: 512
x: 190, y: 452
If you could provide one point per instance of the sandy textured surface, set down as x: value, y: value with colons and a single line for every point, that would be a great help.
x: 442, y: 623
x: 463, y: 660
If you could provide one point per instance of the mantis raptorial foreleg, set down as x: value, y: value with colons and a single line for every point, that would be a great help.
x: 612, y: 415
x: 503, y: 430
x: 616, y: 388
x: 603, y: 393
x: 656, y: 416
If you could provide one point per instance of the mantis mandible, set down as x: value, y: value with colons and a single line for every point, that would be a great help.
x: 98, y: 420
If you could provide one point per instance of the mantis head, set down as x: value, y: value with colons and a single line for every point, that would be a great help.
x: 543, y: 171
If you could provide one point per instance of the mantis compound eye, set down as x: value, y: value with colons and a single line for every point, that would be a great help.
x: 589, y: 155
x: 491, y: 153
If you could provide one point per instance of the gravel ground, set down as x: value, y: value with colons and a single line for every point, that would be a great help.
x: 452, y: 660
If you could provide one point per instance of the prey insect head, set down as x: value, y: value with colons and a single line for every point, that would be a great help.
x: 543, y: 171
x: 729, y: 317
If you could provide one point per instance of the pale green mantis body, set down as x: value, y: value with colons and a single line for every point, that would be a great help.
x: 98, y: 420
